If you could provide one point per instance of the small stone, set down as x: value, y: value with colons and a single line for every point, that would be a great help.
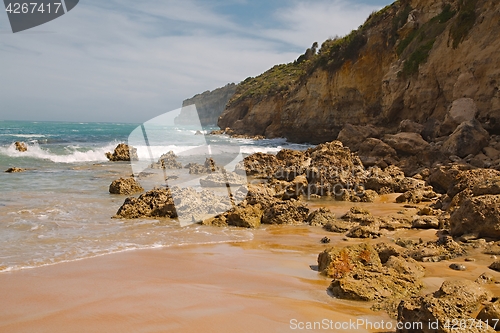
x: 14, y: 170
x: 458, y: 267
x: 493, y: 257
x: 495, y: 266
x: 325, y: 240
x: 470, y: 259
x: 21, y: 146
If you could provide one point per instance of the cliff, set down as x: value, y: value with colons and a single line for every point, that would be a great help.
x: 209, y: 105
x: 411, y: 60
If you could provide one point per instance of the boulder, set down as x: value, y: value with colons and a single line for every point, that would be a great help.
x: 220, y: 179
x: 320, y: 217
x: 461, y: 110
x: 455, y: 300
x: 123, y: 152
x: 14, y: 170
x: 354, y: 137
x: 487, y: 186
x: 479, y: 216
x: 491, y: 153
x: 167, y: 161
x: 154, y: 203
x: 207, y: 168
x: 125, y: 186
x: 417, y: 196
x: 375, y: 152
x: 410, y: 126
x: 246, y: 217
x: 21, y: 146
x: 406, y: 143
x: 364, y: 232
x: 468, y: 138
x: 259, y: 165
x: 425, y: 222
x: 495, y: 266
x: 491, y: 314
x: 384, y: 181
x: 285, y: 212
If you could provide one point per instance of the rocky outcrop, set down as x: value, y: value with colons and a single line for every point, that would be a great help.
x: 407, y: 143
x: 209, y: 106
x: 123, y: 152
x: 468, y: 138
x: 167, y: 161
x: 491, y: 314
x: 358, y: 274
x: 430, y: 62
x: 14, y: 170
x: 21, y: 146
x: 479, y: 216
x: 125, y: 186
x: 442, y: 311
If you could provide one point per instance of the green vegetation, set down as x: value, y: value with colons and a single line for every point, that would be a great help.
x: 334, y: 53
x: 464, y: 22
x: 278, y: 79
x: 417, y: 58
x: 415, y: 47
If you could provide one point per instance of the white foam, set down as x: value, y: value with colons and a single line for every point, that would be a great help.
x: 73, y: 156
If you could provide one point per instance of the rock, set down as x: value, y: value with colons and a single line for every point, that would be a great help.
x: 297, y: 187
x: 223, y: 179
x: 416, y: 196
x: 487, y: 186
x: 468, y: 138
x: 15, y: 170
x: 455, y: 300
x: 285, y: 212
x: 198, y: 133
x: 479, y: 216
x: 406, y: 143
x: 123, y: 152
x: 175, y: 202
x: 458, y: 267
x: 495, y: 266
x: 21, y: 146
x: 325, y: 240
x: 217, y: 221
x: 364, y: 232
x: 338, y: 226
x: 410, y: 126
x: 207, y: 168
x: 492, y: 153
x: 442, y: 178
x: 358, y: 274
x: 126, y: 186
x: 425, y: 222
x: 246, y: 217
x: 386, y: 251
x: 167, y: 161
x: 354, y: 137
x: 320, y: 217
x: 384, y: 181
x: 259, y: 165
x: 485, y: 278
x: 491, y: 314
x: 461, y: 110
x: 375, y: 152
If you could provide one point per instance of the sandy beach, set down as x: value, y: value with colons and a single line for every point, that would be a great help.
x: 243, y: 287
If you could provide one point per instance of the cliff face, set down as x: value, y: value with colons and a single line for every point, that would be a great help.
x: 411, y: 60
x: 209, y: 106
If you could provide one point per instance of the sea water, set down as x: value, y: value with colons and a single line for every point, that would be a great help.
x: 60, y: 209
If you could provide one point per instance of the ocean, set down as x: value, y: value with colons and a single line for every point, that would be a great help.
x: 60, y: 209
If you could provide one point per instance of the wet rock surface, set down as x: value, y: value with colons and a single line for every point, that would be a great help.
x: 123, y: 152
x: 125, y: 186
x: 21, y: 146
x: 15, y: 170
x: 167, y: 161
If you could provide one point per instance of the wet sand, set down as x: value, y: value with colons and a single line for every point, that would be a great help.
x: 256, y: 286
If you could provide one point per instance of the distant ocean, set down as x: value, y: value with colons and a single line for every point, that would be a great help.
x: 60, y: 208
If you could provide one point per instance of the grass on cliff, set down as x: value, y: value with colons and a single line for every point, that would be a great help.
x: 464, y: 22
x: 417, y: 45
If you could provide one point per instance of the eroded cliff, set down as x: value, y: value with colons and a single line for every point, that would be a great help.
x: 411, y: 60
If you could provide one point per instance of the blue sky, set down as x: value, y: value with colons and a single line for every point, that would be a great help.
x: 130, y: 61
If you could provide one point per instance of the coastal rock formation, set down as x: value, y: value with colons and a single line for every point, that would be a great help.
x: 358, y: 274
x: 468, y: 138
x: 21, y: 146
x: 207, y: 168
x: 125, y: 186
x: 123, y: 152
x: 167, y: 161
x: 479, y: 216
x: 454, y: 301
x: 491, y: 314
x: 14, y: 170
x: 422, y: 69
x: 209, y: 106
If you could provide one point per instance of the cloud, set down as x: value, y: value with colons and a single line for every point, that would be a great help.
x: 130, y: 61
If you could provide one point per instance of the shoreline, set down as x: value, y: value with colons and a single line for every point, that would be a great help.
x: 260, y: 284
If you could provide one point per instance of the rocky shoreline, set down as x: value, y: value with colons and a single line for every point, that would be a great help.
x: 458, y: 200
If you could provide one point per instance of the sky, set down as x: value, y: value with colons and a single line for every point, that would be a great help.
x: 129, y: 61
